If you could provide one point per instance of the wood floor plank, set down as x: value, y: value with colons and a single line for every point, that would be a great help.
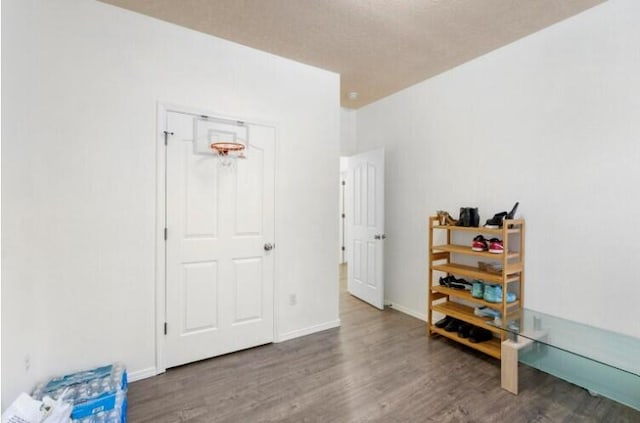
x: 379, y: 366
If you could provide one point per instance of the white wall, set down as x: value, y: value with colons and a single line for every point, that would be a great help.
x: 81, y: 81
x: 348, y: 134
x: 551, y: 121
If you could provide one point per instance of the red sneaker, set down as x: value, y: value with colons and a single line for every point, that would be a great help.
x: 479, y: 244
x: 496, y: 246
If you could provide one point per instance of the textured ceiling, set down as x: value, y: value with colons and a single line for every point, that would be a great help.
x: 377, y: 46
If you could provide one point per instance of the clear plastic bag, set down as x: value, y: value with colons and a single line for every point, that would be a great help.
x: 28, y: 410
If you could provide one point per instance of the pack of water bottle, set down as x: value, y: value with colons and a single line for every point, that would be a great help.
x: 98, y: 395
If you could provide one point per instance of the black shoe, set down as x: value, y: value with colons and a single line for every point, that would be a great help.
x: 453, y: 325
x: 512, y: 213
x: 477, y: 335
x: 464, y: 329
x: 465, y: 284
x: 443, y: 322
x: 446, y: 280
x: 496, y: 221
x: 451, y: 282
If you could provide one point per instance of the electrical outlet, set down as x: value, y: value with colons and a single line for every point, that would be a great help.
x: 27, y: 362
x: 293, y: 299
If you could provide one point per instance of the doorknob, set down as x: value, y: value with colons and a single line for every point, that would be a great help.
x: 268, y: 246
x: 380, y: 236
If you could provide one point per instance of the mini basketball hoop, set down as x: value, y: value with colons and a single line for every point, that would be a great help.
x: 228, y: 151
x: 224, y: 148
x: 225, y: 139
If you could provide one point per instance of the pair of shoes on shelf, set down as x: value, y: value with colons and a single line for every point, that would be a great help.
x: 493, y: 245
x: 477, y: 335
x: 490, y: 292
x: 451, y: 282
x: 496, y: 221
x: 493, y: 294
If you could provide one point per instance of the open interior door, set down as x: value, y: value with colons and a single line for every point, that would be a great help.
x: 365, y: 227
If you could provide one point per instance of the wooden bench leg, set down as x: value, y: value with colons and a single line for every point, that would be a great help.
x: 509, y: 366
x: 509, y: 360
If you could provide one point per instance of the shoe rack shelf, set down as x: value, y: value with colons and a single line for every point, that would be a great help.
x: 461, y: 249
x: 466, y: 295
x: 460, y: 304
x: 476, y: 273
x: 478, y: 230
x: 491, y: 347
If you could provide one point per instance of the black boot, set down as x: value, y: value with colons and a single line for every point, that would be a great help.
x: 474, y: 219
x: 465, y: 218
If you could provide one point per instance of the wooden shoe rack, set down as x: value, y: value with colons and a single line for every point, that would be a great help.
x: 452, y: 255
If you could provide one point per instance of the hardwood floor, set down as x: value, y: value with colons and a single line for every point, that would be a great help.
x: 379, y: 366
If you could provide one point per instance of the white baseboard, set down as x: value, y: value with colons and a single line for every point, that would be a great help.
x: 308, y: 331
x: 152, y: 371
x: 406, y: 310
x: 141, y: 374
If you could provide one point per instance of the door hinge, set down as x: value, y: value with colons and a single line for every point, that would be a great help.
x: 165, y: 328
x: 166, y: 137
x: 343, y: 248
x: 344, y: 215
x: 165, y: 234
x: 344, y: 183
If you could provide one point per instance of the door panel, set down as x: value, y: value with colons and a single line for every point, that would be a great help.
x: 219, y: 278
x: 371, y: 195
x: 248, y: 284
x: 365, y: 227
x: 249, y: 189
x: 201, y: 211
x: 371, y: 277
x: 200, y: 296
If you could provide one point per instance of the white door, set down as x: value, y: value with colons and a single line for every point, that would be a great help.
x: 365, y: 227
x: 219, y: 276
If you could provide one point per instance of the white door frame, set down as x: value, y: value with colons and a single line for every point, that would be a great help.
x: 161, y: 213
